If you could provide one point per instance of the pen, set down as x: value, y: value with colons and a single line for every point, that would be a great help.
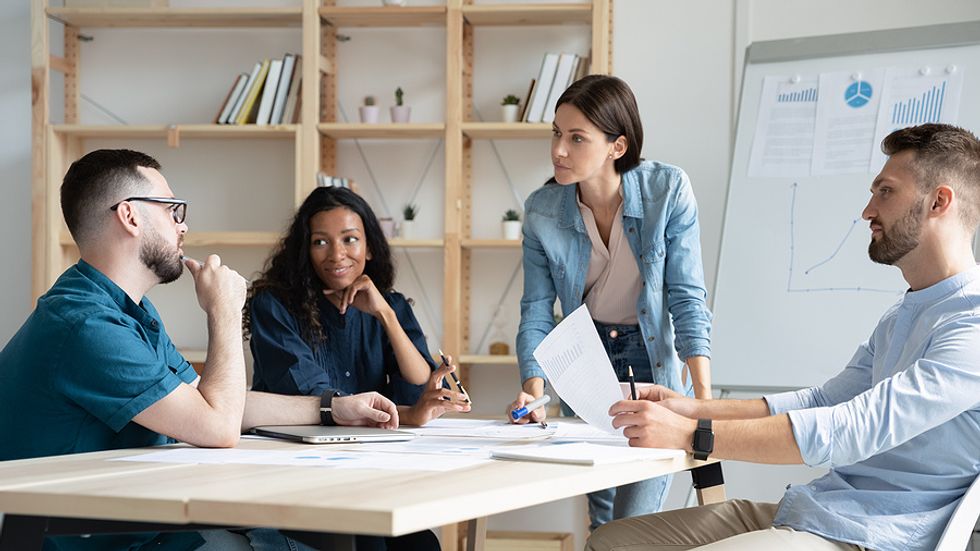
x: 629, y: 376
x: 529, y: 407
x: 459, y: 385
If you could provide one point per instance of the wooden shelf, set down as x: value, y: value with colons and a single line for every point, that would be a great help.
x: 382, y: 131
x: 416, y: 243
x: 507, y: 130
x: 528, y: 14
x: 217, y: 238
x: 395, y: 16
x: 188, y: 131
x: 178, y: 17
x: 491, y: 243
x: 487, y: 359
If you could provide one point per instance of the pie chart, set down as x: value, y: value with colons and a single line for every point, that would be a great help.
x: 858, y: 94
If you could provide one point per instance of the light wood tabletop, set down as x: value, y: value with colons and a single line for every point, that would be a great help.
x: 316, y: 499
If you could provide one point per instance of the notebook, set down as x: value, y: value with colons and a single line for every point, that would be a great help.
x: 319, y: 434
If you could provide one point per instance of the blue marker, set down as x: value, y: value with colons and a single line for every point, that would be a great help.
x: 529, y: 407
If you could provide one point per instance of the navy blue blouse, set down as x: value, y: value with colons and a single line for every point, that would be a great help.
x: 356, y: 355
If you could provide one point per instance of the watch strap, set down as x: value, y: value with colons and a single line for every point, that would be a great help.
x: 326, y: 406
x: 704, y: 440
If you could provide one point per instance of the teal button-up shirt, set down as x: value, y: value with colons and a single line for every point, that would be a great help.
x: 86, y: 361
x: 899, y: 427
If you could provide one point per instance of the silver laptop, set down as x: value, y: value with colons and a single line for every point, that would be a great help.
x: 319, y: 434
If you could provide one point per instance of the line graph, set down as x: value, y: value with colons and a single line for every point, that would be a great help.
x: 792, y: 257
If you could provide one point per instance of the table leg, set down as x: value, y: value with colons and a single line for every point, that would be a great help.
x: 476, y: 534
x: 710, y: 483
x: 22, y: 533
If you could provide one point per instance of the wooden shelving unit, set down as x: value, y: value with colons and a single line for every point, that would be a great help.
x: 317, y: 134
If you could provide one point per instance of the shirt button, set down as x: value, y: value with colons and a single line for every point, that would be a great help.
x: 631, y: 230
x: 650, y: 339
x: 613, y: 334
x: 643, y: 311
x: 659, y: 364
x: 347, y: 373
x: 154, y: 324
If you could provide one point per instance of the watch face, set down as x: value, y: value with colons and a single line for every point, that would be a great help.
x: 704, y: 441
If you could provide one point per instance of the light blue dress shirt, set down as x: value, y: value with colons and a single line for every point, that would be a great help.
x: 660, y: 220
x: 899, y: 427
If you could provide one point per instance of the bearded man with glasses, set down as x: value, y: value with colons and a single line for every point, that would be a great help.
x: 93, y: 368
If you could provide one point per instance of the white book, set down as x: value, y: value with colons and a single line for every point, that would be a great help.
x: 285, y: 80
x: 583, y: 453
x: 269, y: 92
x: 236, y: 92
x: 542, y: 88
x: 241, y: 97
x: 563, y: 73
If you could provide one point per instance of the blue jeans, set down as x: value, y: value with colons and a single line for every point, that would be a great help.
x: 264, y: 539
x: 624, y: 346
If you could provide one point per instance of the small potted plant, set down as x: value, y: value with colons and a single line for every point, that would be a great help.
x: 512, y: 224
x: 407, y: 227
x: 509, y: 108
x: 393, y: 2
x: 399, y: 111
x: 369, y: 111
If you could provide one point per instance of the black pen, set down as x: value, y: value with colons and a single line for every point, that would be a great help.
x: 629, y: 377
x: 459, y: 385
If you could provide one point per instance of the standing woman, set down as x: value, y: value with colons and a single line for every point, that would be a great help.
x: 620, y: 235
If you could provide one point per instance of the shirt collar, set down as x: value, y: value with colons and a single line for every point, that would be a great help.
x: 944, y: 288
x: 110, y: 288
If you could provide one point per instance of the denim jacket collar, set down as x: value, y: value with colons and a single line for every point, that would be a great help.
x: 569, y: 215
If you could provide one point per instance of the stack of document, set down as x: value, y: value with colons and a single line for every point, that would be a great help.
x: 583, y: 453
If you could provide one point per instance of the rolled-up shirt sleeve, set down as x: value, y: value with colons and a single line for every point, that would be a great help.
x: 935, y: 388
x: 854, y: 379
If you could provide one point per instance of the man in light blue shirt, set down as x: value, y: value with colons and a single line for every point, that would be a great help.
x: 899, y: 427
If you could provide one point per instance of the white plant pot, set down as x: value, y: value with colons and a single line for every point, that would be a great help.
x: 406, y: 229
x: 509, y: 112
x: 393, y: 2
x: 369, y: 113
x: 511, y: 229
x: 400, y: 113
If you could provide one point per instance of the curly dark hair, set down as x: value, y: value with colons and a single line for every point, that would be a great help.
x: 290, y: 276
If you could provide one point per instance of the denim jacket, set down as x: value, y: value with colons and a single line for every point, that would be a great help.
x: 660, y: 219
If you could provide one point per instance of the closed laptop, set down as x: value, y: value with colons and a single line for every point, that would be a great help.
x: 319, y: 434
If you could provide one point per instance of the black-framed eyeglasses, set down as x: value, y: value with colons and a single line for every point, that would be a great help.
x: 178, y: 208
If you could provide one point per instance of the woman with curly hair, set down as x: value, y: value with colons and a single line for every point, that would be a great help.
x: 323, y: 317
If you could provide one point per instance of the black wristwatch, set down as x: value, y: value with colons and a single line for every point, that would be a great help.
x: 326, y: 408
x: 704, y: 440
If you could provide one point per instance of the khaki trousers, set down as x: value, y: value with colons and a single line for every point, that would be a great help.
x: 728, y: 526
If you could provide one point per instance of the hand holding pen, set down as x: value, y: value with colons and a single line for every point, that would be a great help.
x: 527, y: 408
x: 459, y: 385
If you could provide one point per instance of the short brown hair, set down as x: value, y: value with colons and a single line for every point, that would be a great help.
x: 944, y: 154
x: 609, y: 104
x: 97, y: 181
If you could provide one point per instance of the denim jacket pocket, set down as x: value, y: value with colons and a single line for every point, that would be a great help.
x: 652, y: 263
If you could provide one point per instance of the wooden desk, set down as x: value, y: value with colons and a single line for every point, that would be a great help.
x: 392, y: 503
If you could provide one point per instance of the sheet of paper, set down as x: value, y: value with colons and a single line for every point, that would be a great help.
x: 847, y: 110
x: 783, y: 141
x: 481, y: 428
x: 310, y: 456
x: 442, y: 445
x: 583, y: 453
x: 578, y: 369
x: 913, y: 96
x: 583, y: 432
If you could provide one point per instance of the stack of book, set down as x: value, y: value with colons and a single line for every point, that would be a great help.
x: 325, y: 180
x: 558, y: 71
x: 267, y: 95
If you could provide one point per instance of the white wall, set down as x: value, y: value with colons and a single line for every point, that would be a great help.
x: 682, y: 59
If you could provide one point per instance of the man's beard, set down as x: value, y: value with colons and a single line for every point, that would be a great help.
x: 163, y: 262
x: 897, y: 242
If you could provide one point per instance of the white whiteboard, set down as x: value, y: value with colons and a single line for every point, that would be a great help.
x: 795, y: 292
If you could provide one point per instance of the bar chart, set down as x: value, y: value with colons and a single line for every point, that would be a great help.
x: 927, y: 107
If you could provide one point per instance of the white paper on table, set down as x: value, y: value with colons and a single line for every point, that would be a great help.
x: 441, y: 445
x: 576, y: 364
x: 482, y: 428
x: 311, y: 456
x: 913, y: 96
x: 847, y: 110
x: 584, y: 453
x: 783, y: 141
x: 583, y: 432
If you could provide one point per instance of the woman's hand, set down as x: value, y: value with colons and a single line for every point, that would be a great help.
x: 362, y: 294
x: 435, y: 400
x: 536, y: 416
